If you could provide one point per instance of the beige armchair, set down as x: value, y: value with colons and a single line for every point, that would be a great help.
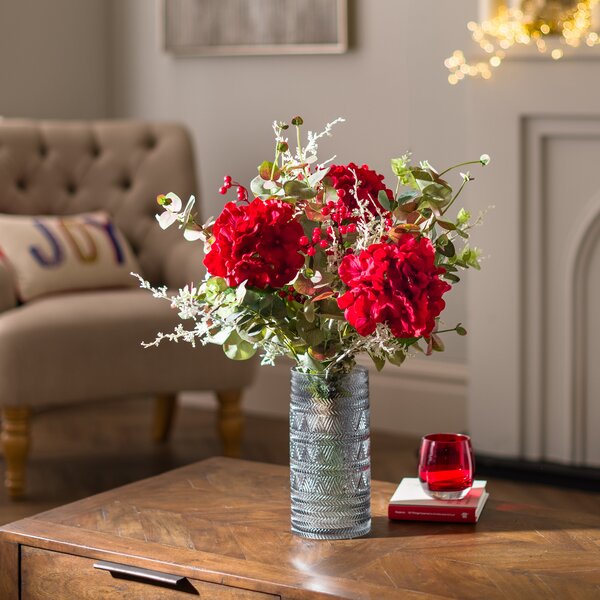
x: 83, y: 346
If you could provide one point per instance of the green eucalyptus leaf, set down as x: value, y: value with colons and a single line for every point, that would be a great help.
x: 236, y: 348
x: 258, y: 189
x: 401, y: 168
x: 463, y: 217
x: 309, y: 311
x: 470, y: 257
x: 451, y: 277
x: 461, y: 330
x: 304, y: 286
x: 266, y: 168
x: 447, y: 225
x: 436, y: 343
x: 384, y: 200
x: 255, y: 329
x: 397, y: 358
x: 313, y: 337
x: 298, y: 189
x: 407, y: 196
x: 216, y: 284
x: 377, y: 361
x: 446, y: 248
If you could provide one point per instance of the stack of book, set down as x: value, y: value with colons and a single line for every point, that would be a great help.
x: 411, y: 503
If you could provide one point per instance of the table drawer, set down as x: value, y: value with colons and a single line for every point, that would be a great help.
x: 49, y: 575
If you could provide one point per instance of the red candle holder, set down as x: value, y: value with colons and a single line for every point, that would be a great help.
x: 446, y: 465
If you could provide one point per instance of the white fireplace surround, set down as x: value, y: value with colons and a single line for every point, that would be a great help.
x: 533, y: 310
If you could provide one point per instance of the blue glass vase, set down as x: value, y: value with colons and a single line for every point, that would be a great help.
x: 330, y: 455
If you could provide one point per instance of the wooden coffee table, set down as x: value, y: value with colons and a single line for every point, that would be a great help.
x: 219, y: 529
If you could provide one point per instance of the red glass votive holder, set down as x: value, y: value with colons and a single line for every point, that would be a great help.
x: 446, y: 465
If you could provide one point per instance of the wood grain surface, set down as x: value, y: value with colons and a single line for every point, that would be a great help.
x: 53, y: 575
x: 227, y: 521
x: 9, y: 571
x: 82, y: 450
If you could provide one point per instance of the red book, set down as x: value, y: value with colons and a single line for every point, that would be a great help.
x: 411, y: 503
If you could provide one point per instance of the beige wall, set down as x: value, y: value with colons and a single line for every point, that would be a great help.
x: 54, y: 58
x: 95, y: 58
x: 391, y: 87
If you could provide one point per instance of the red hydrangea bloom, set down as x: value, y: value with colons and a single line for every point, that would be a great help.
x: 258, y: 242
x: 343, y: 177
x: 393, y: 283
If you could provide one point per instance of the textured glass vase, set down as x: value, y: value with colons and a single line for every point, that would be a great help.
x: 330, y: 455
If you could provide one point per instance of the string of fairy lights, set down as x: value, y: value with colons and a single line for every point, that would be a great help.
x: 572, y: 25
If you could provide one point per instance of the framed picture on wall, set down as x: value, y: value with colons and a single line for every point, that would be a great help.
x: 250, y: 27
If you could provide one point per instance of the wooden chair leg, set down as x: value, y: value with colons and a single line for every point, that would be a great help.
x: 164, y: 413
x: 14, y: 437
x: 231, y: 421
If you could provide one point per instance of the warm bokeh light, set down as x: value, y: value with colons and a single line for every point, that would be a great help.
x: 511, y: 26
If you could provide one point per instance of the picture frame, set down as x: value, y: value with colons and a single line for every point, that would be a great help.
x: 254, y: 27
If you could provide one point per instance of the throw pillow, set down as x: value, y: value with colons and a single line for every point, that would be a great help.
x: 51, y: 254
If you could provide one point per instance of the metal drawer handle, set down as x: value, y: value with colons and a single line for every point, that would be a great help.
x: 118, y: 570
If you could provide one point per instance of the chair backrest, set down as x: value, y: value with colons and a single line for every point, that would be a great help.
x: 71, y: 167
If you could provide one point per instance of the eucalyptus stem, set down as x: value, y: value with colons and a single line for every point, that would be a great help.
x: 275, y: 161
x: 299, y: 144
x: 469, y: 162
x: 460, y: 189
x: 446, y: 330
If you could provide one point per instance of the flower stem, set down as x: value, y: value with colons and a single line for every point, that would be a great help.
x: 469, y: 162
x: 455, y: 197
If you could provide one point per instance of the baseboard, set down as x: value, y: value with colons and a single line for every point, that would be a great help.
x: 548, y: 473
x: 420, y: 397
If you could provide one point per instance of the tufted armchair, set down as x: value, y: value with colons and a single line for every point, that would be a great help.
x: 84, y: 346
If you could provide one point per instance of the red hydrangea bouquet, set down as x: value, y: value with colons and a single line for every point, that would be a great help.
x: 320, y: 261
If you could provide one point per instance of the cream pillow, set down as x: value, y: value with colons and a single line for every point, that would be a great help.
x: 50, y: 254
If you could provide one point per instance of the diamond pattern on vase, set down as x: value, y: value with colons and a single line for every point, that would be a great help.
x: 330, y: 468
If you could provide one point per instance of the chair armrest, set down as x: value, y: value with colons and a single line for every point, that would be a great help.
x: 8, y: 294
x: 183, y: 264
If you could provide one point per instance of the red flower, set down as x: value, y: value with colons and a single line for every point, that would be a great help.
x: 397, y: 284
x: 258, y: 242
x: 344, y: 179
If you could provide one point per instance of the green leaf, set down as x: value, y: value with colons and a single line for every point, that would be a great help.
x: 216, y: 284
x: 266, y: 168
x: 236, y: 348
x: 447, y: 225
x: 313, y: 337
x: 463, y: 217
x: 408, y: 196
x: 440, y: 192
x: 397, y: 358
x: 304, y: 286
x: 445, y: 246
x: 401, y: 168
x: 378, y: 361
x: 470, y: 257
x: 256, y: 186
x: 309, y: 312
x: 461, y: 330
x: 436, y: 342
x: 255, y: 329
x: 451, y: 277
x: 298, y: 189
x: 384, y: 200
